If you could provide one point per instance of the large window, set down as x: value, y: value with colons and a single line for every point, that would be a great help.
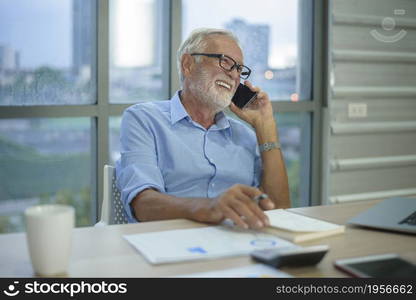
x: 69, y: 68
x: 47, y: 68
x: 139, y: 60
x: 47, y: 52
x: 38, y: 165
x: 268, y: 34
x: 114, y: 139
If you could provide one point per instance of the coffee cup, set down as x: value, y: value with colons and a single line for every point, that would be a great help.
x: 49, y: 234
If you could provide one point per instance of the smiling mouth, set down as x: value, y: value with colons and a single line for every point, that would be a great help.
x: 223, y: 84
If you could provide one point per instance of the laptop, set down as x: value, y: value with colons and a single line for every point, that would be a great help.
x: 396, y: 214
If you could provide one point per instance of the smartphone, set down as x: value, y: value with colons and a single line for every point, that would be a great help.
x: 243, y: 96
x: 384, y: 266
x: 297, y: 257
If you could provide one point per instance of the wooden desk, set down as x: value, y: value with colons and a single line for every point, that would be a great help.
x: 102, y: 251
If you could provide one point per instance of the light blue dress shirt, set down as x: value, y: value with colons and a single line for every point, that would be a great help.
x: 164, y: 149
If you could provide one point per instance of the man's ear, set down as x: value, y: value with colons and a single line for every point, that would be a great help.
x: 187, y: 64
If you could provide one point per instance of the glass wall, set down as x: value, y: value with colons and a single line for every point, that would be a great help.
x: 47, y: 52
x: 295, y: 138
x: 139, y: 51
x: 114, y: 139
x: 268, y: 33
x: 44, y: 161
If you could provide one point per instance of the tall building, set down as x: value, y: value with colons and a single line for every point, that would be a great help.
x: 83, y: 37
x: 254, y: 39
x: 9, y: 59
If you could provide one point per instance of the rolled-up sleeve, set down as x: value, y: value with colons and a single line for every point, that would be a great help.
x: 137, y: 169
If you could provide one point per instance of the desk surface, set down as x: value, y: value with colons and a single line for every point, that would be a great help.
x: 102, y: 251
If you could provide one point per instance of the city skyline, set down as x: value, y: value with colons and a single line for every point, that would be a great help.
x: 41, y: 33
x: 50, y: 23
x: 133, y: 52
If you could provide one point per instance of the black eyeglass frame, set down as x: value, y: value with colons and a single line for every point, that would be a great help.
x: 236, y: 65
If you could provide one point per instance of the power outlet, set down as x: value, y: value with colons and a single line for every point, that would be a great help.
x: 357, y: 110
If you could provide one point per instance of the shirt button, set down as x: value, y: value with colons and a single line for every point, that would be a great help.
x: 212, y: 184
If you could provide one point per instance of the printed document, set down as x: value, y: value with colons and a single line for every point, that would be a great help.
x: 202, y: 243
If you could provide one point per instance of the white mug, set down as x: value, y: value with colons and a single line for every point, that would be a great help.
x: 49, y: 234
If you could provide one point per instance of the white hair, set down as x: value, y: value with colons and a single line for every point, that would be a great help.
x: 197, y: 42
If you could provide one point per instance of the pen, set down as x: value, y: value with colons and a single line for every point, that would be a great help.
x: 260, y: 197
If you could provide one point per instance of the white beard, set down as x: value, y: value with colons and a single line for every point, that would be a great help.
x: 210, y: 95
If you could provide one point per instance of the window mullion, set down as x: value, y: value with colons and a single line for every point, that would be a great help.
x: 101, y: 129
x: 175, y: 41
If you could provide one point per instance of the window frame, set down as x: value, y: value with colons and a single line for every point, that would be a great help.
x: 101, y: 111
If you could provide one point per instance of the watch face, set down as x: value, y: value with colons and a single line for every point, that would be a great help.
x: 269, y: 146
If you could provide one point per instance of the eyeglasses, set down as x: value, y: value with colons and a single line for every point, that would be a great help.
x: 229, y: 64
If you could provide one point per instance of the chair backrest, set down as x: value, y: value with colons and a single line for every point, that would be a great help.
x: 112, y: 210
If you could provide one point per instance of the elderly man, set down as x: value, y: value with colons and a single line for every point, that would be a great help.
x: 184, y: 158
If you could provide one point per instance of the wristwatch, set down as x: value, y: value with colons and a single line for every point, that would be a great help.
x: 269, y: 146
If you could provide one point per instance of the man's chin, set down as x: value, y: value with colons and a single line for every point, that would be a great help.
x: 225, y: 98
x: 218, y: 101
x: 223, y: 105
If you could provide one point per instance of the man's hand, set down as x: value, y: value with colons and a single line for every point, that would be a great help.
x: 237, y: 205
x: 259, y: 111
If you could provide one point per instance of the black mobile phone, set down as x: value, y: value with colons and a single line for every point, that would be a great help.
x: 243, y: 96
x: 382, y: 266
x: 290, y: 257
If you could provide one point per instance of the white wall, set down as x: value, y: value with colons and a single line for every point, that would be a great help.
x: 374, y: 156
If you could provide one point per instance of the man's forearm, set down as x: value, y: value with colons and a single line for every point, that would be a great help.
x: 274, y: 181
x: 151, y: 205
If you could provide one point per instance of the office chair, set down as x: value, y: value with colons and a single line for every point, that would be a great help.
x: 112, y: 210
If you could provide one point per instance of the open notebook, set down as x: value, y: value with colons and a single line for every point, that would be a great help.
x: 298, y: 228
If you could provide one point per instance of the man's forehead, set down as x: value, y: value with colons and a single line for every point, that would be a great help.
x: 224, y: 45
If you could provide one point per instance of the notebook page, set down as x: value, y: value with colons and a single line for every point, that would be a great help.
x: 293, y: 222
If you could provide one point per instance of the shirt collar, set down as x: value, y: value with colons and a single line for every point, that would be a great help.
x: 178, y: 112
x: 222, y: 122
